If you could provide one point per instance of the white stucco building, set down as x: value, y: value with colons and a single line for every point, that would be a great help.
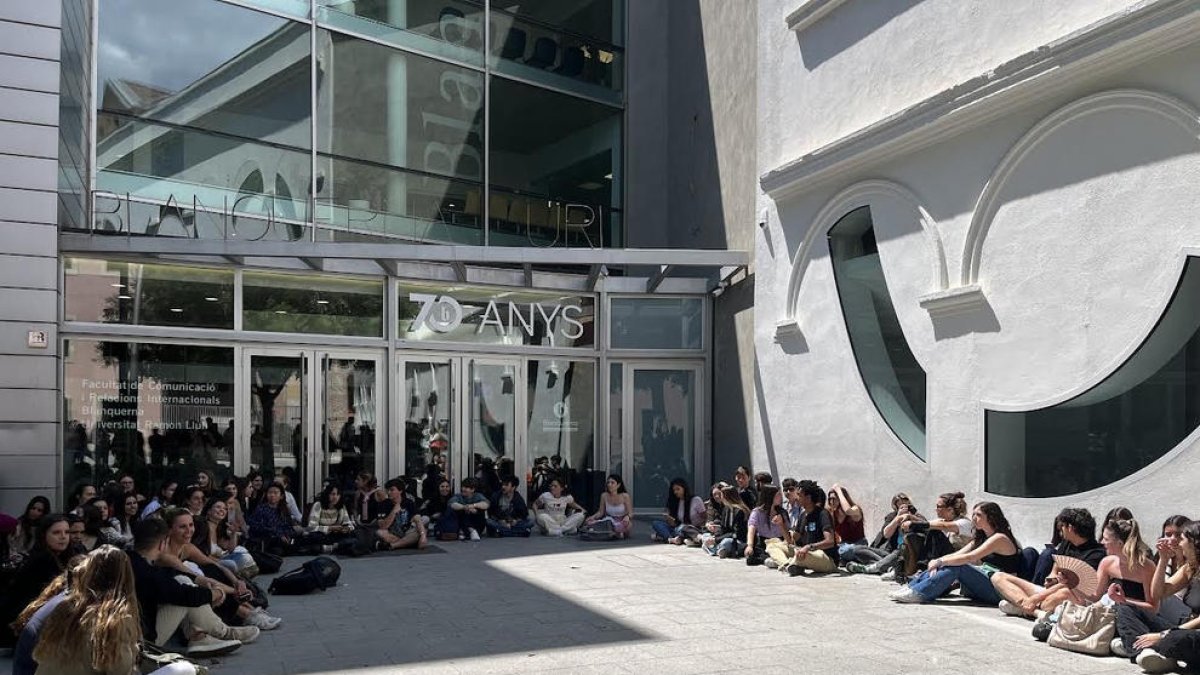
x: 1009, y: 315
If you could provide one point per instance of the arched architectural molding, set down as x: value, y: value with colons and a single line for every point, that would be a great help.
x: 989, y: 202
x: 860, y: 194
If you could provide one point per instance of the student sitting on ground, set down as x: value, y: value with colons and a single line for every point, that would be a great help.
x: 730, y: 536
x: 744, y: 483
x: 1172, y: 531
x: 791, y: 502
x: 847, y: 522
x: 508, y: 515
x: 1076, y: 539
x: 685, y: 515
x: 169, y: 601
x: 993, y: 545
x: 1127, y: 573
x: 93, y: 627
x: 883, y: 555
x: 435, y: 503
x: 400, y: 528
x: 714, y: 509
x: 767, y: 536
x: 467, y: 513
x: 615, y: 515
x: 556, y: 513
x: 370, y: 502
x: 815, y: 541
x: 162, y: 499
x: 23, y: 537
x: 47, y: 559
x: 948, y: 532
x: 328, y: 521
x: 1157, y: 641
x: 271, y: 523
x: 222, y: 543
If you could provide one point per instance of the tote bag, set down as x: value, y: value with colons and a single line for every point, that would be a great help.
x: 1087, y: 629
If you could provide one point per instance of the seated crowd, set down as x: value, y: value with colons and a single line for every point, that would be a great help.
x: 181, y: 562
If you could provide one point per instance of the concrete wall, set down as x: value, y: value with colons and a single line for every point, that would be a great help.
x: 690, y: 183
x: 1081, y: 256
x: 29, y: 211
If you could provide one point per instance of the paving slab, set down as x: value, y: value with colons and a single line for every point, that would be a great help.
x: 549, y: 605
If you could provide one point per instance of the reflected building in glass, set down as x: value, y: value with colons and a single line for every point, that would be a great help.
x: 412, y: 238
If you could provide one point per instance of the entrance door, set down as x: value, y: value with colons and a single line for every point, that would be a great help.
x: 462, y: 414
x: 310, y: 415
x: 661, y: 431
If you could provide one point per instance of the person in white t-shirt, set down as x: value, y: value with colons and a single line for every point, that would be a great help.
x: 943, y: 535
x: 553, y: 511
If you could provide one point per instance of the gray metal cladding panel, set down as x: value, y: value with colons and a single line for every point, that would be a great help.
x: 26, y: 73
x: 18, y: 271
x: 29, y: 372
x: 23, y: 39
x: 13, y: 500
x: 14, y: 337
x: 31, y: 140
x: 23, y: 405
x: 28, y: 471
x: 24, y: 206
x: 41, y: 12
x: 30, y: 173
x: 28, y: 239
x: 27, y: 438
x: 35, y: 107
x: 20, y: 304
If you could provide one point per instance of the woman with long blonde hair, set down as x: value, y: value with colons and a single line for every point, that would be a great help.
x: 96, y: 627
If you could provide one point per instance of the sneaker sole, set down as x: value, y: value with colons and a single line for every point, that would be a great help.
x: 214, y: 651
x: 1156, y: 663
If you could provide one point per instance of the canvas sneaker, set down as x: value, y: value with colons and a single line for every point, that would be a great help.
x: 244, y: 634
x: 856, y: 568
x: 1153, y: 662
x: 905, y: 595
x: 1011, y: 608
x: 1117, y: 647
x: 211, y: 646
x: 770, y: 563
x: 889, y: 575
x: 474, y: 534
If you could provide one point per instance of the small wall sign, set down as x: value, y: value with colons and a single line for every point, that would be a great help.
x: 38, y: 339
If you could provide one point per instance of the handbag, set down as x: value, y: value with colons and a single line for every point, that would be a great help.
x: 1087, y: 629
x: 601, y: 530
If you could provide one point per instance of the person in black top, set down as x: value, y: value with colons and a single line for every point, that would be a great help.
x: 508, y: 515
x: 816, y: 545
x: 47, y: 559
x: 741, y: 479
x: 1076, y: 539
x: 167, y: 603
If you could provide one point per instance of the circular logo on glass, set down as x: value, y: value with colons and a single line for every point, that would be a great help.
x: 444, y: 315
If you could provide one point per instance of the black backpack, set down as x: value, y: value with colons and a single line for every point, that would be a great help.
x: 319, y: 573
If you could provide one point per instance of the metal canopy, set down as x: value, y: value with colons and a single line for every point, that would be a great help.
x: 669, y: 270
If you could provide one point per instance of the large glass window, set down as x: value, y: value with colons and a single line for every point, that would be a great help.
x: 600, y: 19
x: 553, y: 159
x: 213, y: 117
x: 154, y: 410
x: 657, y: 323
x: 138, y: 294
x: 293, y: 303
x: 562, y: 424
x: 481, y: 315
x: 448, y: 28
x: 1146, y: 407
x: 401, y: 138
x: 664, y: 432
x: 893, y: 378
x: 551, y: 54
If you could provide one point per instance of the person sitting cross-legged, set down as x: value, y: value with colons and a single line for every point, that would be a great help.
x: 400, y: 528
x: 1077, y: 539
x: 883, y: 555
x: 993, y: 545
x: 467, y: 512
x: 815, y: 541
x: 556, y: 513
x: 508, y: 515
x: 1157, y: 642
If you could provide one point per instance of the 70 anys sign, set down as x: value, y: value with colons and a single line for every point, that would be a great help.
x: 444, y: 314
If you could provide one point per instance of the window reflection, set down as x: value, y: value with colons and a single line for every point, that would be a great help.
x: 137, y: 294
x: 553, y: 161
x: 600, y: 19
x: 548, y: 55
x: 448, y: 28
x: 1146, y: 407
x: 157, y: 411
x: 891, y: 374
x: 292, y: 303
x: 561, y: 430
x: 657, y: 323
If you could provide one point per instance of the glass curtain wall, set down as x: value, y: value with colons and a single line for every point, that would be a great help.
x: 361, y: 120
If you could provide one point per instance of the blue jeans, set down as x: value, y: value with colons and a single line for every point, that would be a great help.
x: 972, y: 581
x: 665, y: 531
x: 520, y: 528
x: 845, y: 550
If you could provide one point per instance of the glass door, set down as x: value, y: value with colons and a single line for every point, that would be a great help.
x: 492, y: 412
x: 428, y: 404
x: 661, y: 409
x: 276, y: 430
x: 349, y: 416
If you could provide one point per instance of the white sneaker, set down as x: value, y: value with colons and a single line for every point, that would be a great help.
x: 770, y: 563
x: 905, y: 595
x: 1117, y: 647
x: 1153, y: 662
x: 210, y: 646
x: 263, y: 620
x: 243, y: 634
x: 474, y: 534
x: 1011, y: 608
x: 889, y: 575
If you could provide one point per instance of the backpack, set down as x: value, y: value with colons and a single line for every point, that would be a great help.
x: 319, y: 573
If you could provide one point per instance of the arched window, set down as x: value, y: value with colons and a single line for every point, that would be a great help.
x: 1146, y: 407
x: 891, y: 374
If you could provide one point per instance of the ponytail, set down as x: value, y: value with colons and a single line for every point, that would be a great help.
x: 1133, y: 548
